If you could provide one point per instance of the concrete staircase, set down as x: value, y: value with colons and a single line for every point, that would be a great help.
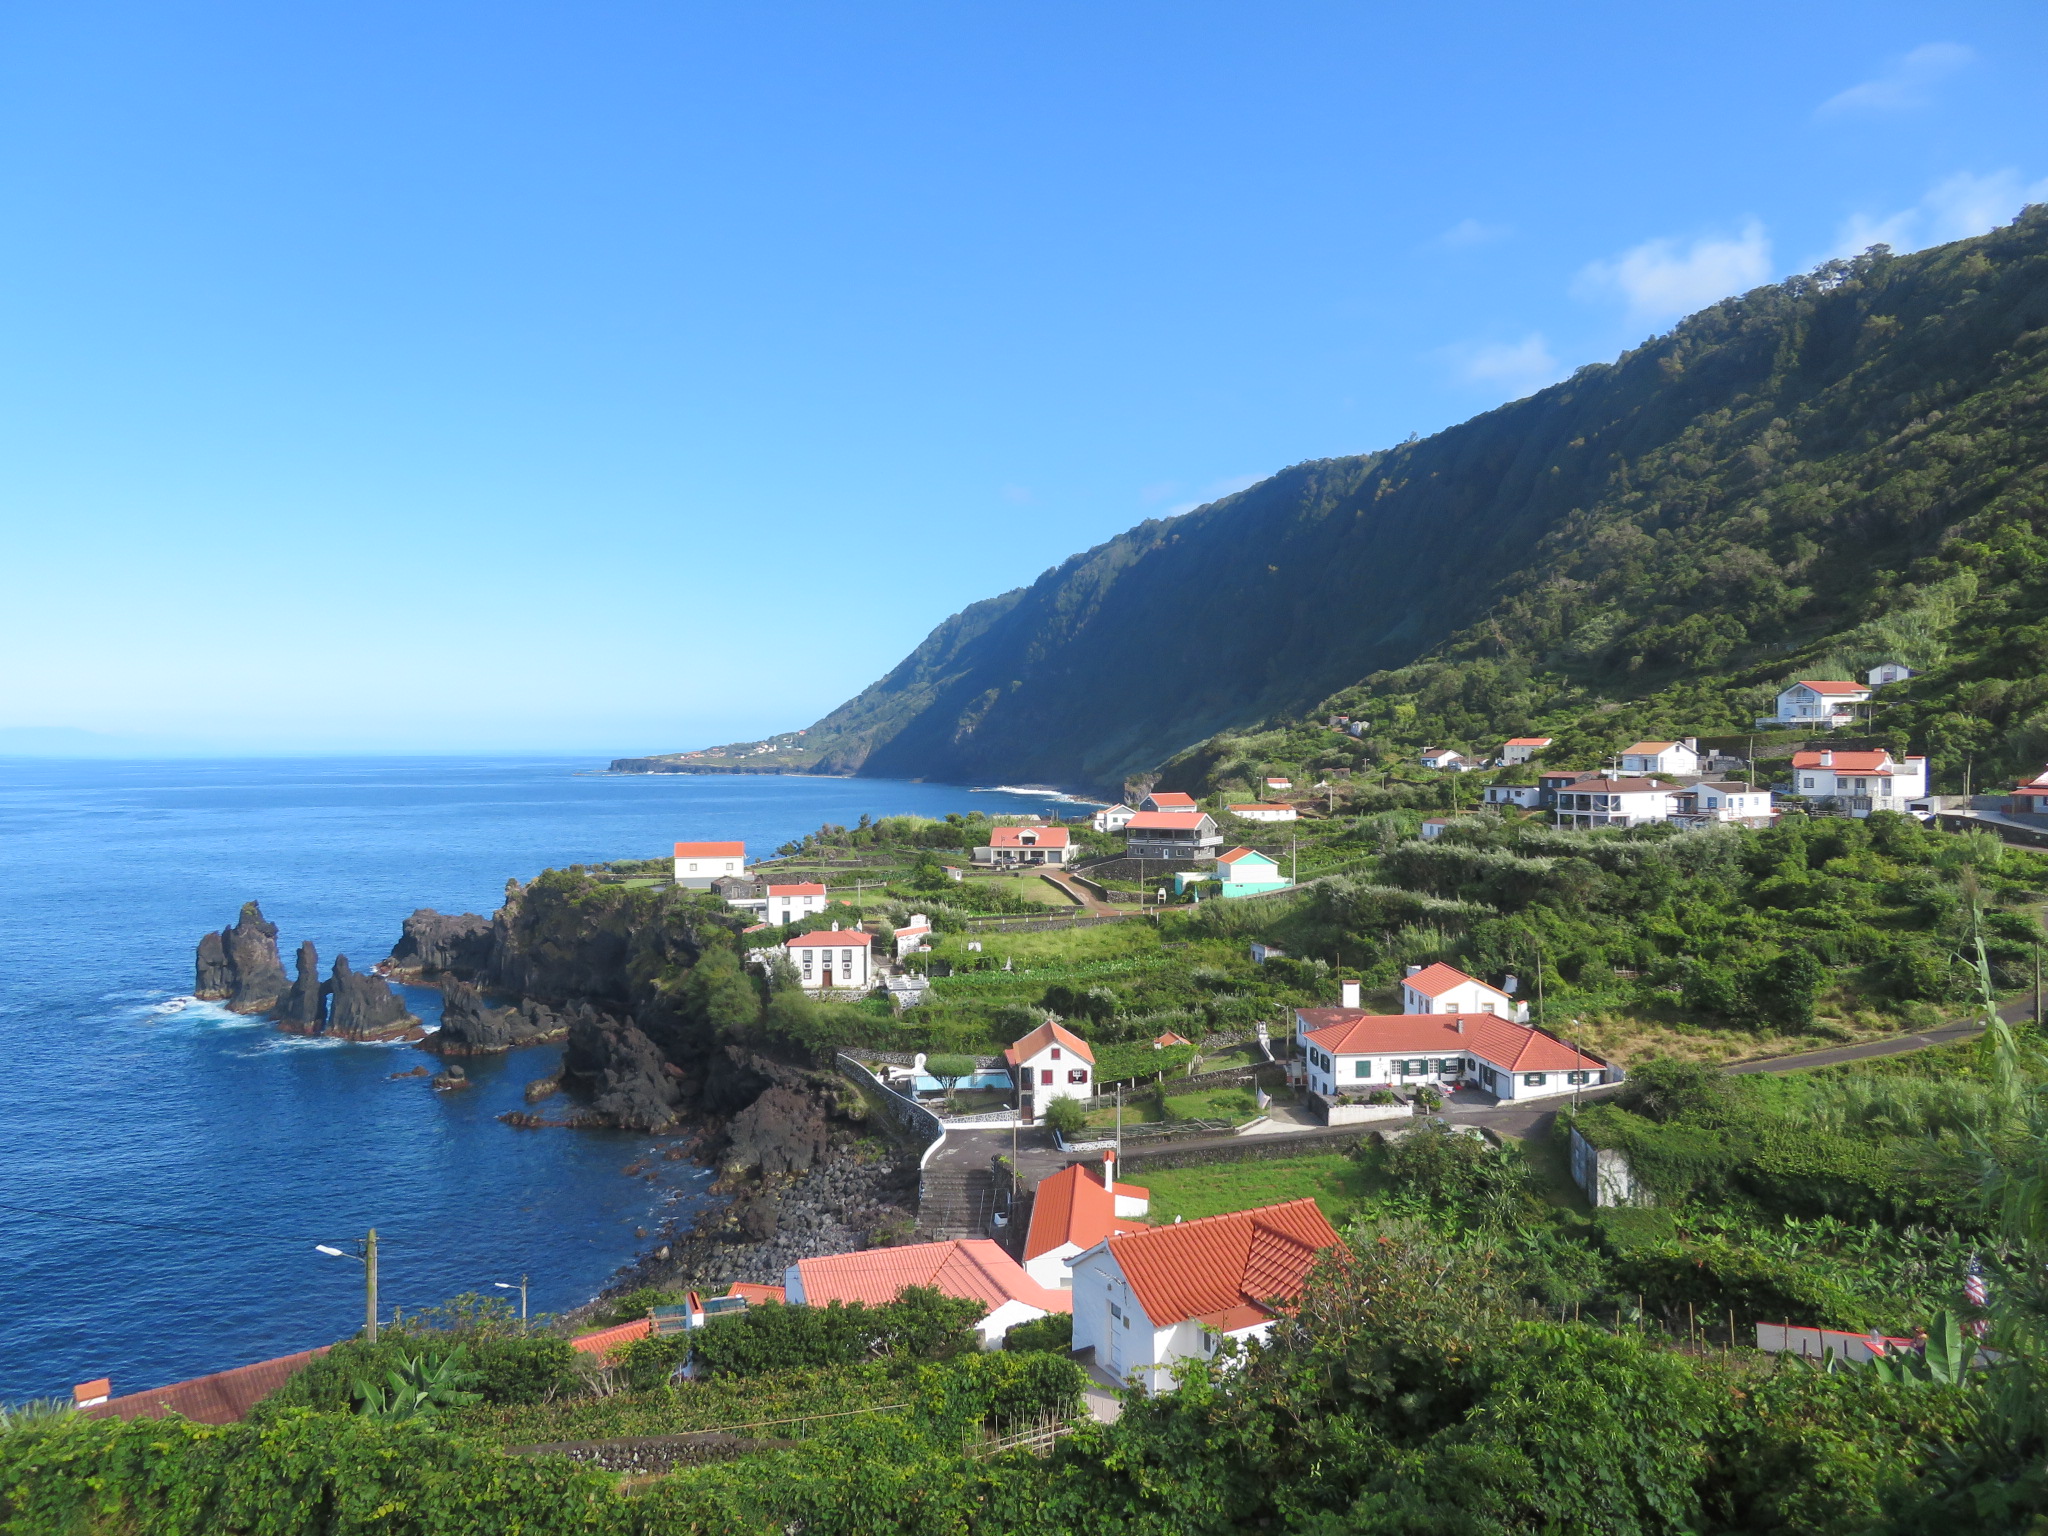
x: 955, y: 1202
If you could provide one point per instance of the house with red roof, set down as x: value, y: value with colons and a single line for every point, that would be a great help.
x: 1145, y: 1301
x: 1168, y: 800
x: 1346, y: 1052
x: 833, y: 959
x: 788, y: 903
x: 1052, y: 1062
x: 1519, y: 749
x: 1188, y: 834
x: 973, y: 1268
x: 1616, y: 802
x: 1860, y: 782
x: 1112, y: 818
x: 1441, y: 988
x: 1666, y: 757
x: 698, y: 864
x: 1011, y: 846
x: 1820, y: 703
x: 1446, y: 758
x: 225, y: 1397
x: 1073, y: 1211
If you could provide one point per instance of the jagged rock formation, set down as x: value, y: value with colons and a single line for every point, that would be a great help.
x: 365, y: 1007
x: 443, y: 944
x: 304, y: 1011
x: 618, y: 1072
x: 470, y: 1027
x: 782, y: 1131
x: 240, y: 966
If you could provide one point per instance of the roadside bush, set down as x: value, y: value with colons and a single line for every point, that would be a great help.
x: 1067, y: 1117
x: 1052, y: 1333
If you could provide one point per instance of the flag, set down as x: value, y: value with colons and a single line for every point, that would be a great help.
x: 1973, y: 1285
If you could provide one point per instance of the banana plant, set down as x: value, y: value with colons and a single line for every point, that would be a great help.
x: 417, y: 1387
x: 1945, y: 1361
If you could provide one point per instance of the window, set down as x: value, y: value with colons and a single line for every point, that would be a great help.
x: 1532, y: 1079
x: 693, y: 869
x: 1055, y: 1053
x: 1578, y: 1077
x: 1362, y: 1069
x: 1045, y: 1077
x: 1486, y: 1007
x: 1809, y: 781
x: 1078, y: 1075
x: 1449, y: 1065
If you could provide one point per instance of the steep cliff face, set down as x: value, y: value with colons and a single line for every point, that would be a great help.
x: 471, y: 1027
x: 442, y: 943
x: 618, y: 1072
x: 364, y: 1006
x: 240, y: 965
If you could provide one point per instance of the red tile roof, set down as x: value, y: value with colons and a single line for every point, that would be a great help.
x: 1047, y: 1034
x: 1041, y: 837
x: 1832, y: 687
x: 1170, y: 1038
x: 811, y: 888
x: 1605, y: 786
x: 1528, y: 741
x: 1220, y: 1265
x: 607, y: 1342
x: 1073, y: 1207
x: 1256, y: 806
x: 1847, y: 762
x: 972, y: 1267
x: 831, y: 938
x: 711, y: 851
x: 756, y: 1294
x: 1648, y: 748
x: 1240, y: 853
x: 222, y: 1398
x: 1161, y: 821
x: 1170, y: 800
x: 1509, y: 1046
x: 1435, y: 980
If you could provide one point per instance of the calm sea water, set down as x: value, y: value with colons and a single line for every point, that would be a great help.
x: 178, y: 1167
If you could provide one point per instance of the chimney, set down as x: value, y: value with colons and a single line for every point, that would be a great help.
x: 1458, y: 1023
x: 1827, y: 759
x: 835, y: 927
x: 1109, y: 1169
x: 1412, y: 970
x: 1691, y: 743
x: 1350, y: 994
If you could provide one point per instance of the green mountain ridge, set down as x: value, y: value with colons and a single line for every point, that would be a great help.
x: 1838, y: 469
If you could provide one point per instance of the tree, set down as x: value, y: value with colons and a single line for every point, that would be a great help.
x: 1066, y: 1116
x: 1663, y: 1088
x: 718, y: 995
x: 950, y: 1070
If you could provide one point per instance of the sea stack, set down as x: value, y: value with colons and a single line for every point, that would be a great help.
x: 434, y: 944
x: 239, y: 965
x: 364, y: 1006
x: 305, y: 1006
x: 469, y: 1027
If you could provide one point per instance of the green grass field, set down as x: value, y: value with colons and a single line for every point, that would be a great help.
x: 1334, y: 1181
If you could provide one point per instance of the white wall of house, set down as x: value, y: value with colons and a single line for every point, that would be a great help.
x: 1527, y: 796
x: 1584, y: 805
x: 1888, y: 672
x: 1801, y: 705
x: 1112, y: 818
x: 1724, y: 802
x: 846, y: 964
x: 1003, y: 1319
x: 1055, y: 1073
x: 1109, y: 1319
x: 1887, y: 792
x: 785, y: 907
x: 1521, y: 752
x: 1466, y: 997
x: 1678, y: 757
x: 1332, y: 1075
x: 697, y: 871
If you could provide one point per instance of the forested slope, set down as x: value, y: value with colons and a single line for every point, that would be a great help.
x: 1823, y: 471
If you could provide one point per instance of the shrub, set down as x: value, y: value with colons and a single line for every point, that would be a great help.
x: 1052, y: 1333
x: 502, y: 1370
x: 921, y: 1324
x: 1067, y: 1117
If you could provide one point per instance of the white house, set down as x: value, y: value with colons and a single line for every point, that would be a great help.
x: 1887, y: 672
x: 698, y: 864
x: 1052, y: 1062
x: 1520, y: 749
x: 1261, y: 952
x: 1243, y: 871
x: 1433, y: 827
x: 1073, y: 1211
x: 833, y: 959
x: 1860, y: 782
x: 972, y: 1268
x: 1168, y: 800
x: 1444, y: 757
x: 1444, y: 988
x: 913, y: 935
x: 1666, y: 757
x: 1009, y: 846
x: 1148, y: 1300
x: 787, y: 903
x: 1276, y: 785
x: 1264, y: 812
x: 1819, y: 703
x: 1708, y: 802
x: 1615, y: 802
x: 1172, y: 835
x: 1112, y: 818
x: 1345, y: 1051
x: 1527, y: 796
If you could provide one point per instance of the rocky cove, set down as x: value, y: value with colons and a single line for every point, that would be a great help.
x: 659, y: 1031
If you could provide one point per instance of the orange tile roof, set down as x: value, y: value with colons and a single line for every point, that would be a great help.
x: 1220, y: 1264
x: 971, y: 1267
x: 1172, y: 799
x: 1160, y: 821
x: 756, y: 1294
x: 1170, y: 1038
x: 809, y: 888
x: 225, y: 1397
x: 1073, y: 1207
x: 1529, y: 741
x: 711, y: 850
x: 1832, y: 687
x: 1042, y: 837
x: 1650, y: 748
x: 1435, y: 980
x: 1847, y: 762
x: 1239, y: 810
x: 1048, y: 1033
x: 607, y: 1342
x: 1511, y: 1047
x: 1605, y: 786
x: 1240, y: 853
x: 831, y: 938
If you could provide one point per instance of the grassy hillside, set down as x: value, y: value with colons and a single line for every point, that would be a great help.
x: 1829, y: 471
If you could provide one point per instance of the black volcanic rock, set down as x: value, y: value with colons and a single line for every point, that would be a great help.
x: 617, y: 1071
x: 783, y: 1131
x: 365, y: 1007
x: 239, y: 965
x: 305, y: 1006
x: 471, y: 1028
x: 443, y: 944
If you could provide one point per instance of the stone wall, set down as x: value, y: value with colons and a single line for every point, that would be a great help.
x: 1605, y: 1175
x: 1238, y: 1150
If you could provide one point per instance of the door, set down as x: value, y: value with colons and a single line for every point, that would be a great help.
x: 1117, y: 1317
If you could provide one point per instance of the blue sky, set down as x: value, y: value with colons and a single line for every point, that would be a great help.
x: 627, y: 377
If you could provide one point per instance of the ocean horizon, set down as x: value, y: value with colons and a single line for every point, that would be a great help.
x: 172, y: 1167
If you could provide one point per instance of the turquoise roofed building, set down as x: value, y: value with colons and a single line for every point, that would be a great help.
x: 1243, y: 872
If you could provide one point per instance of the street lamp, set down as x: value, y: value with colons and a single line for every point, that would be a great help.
x: 368, y: 1259
x: 521, y: 1289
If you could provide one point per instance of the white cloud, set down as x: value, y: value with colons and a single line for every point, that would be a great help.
x: 1954, y: 208
x: 1908, y: 84
x: 1514, y: 368
x: 1661, y: 280
x: 1214, y: 491
x: 1466, y: 233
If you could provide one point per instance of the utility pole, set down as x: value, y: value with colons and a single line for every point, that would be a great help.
x: 2037, y: 983
x: 1294, y: 861
x: 370, y: 1286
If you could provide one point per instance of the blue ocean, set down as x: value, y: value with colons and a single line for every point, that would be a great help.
x: 165, y: 1172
